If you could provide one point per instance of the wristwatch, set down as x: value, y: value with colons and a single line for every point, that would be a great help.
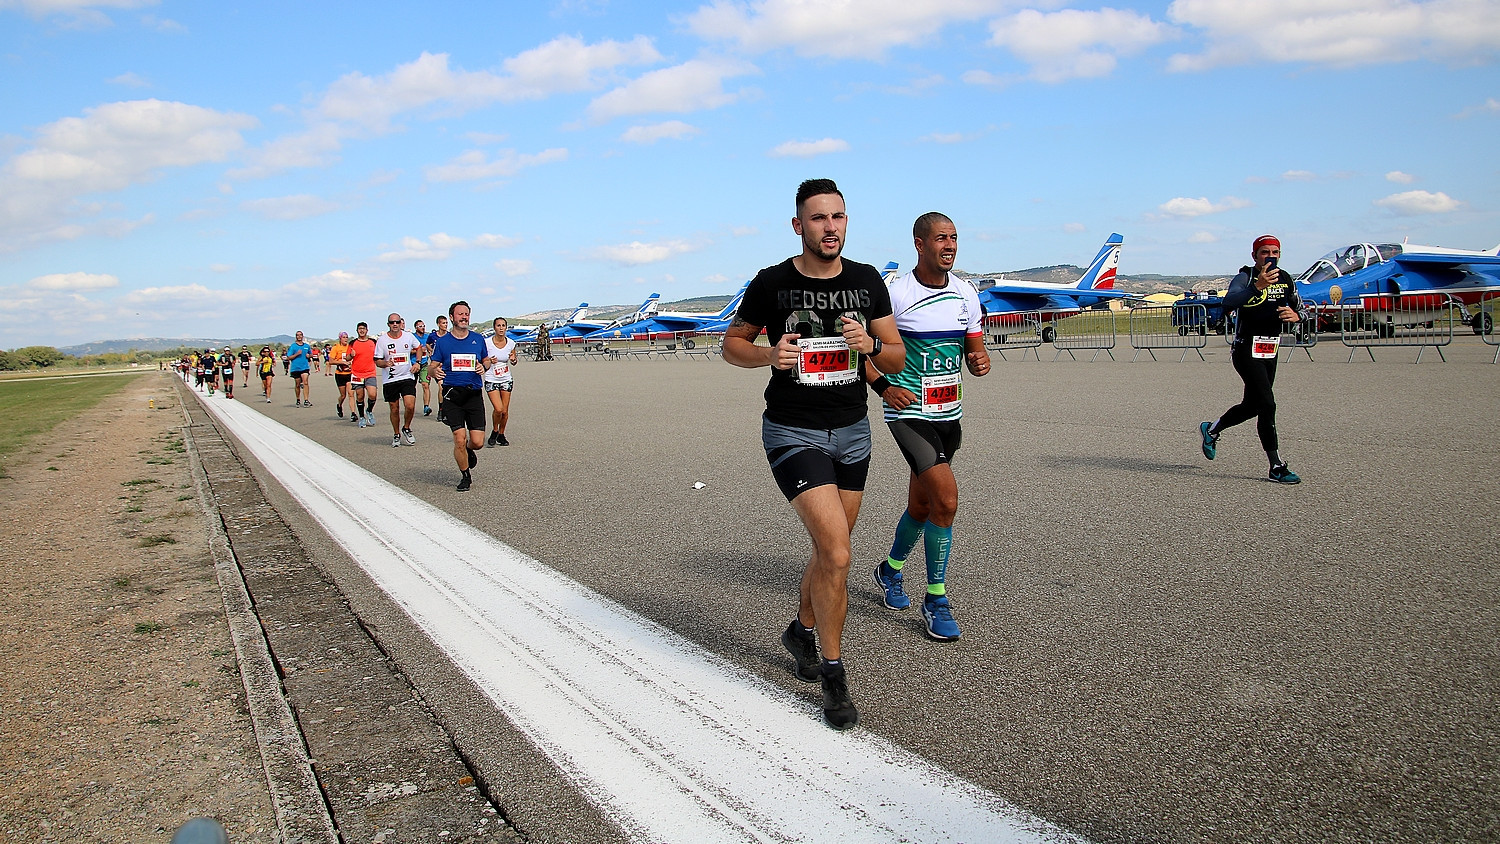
x: 875, y: 350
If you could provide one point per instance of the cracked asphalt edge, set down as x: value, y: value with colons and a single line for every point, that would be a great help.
x: 302, y: 813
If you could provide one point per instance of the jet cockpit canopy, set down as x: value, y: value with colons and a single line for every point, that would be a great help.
x: 1347, y: 259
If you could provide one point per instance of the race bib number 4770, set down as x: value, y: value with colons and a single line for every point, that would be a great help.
x: 826, y: 360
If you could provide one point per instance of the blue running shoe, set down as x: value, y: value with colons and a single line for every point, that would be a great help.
x: 1210, y: 441
x: 1282, y: 475
x: 889, y: 581
x: 939, y: 618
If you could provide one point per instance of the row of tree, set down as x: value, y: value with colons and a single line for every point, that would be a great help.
x: 43, y: 357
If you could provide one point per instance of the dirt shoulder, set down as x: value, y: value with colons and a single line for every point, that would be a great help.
x: 122, y: 713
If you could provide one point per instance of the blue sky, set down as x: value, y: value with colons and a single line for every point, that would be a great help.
x: 242, y: 169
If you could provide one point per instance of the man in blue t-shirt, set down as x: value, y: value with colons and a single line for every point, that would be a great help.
x: 459, y: 359
x: 299, y: 363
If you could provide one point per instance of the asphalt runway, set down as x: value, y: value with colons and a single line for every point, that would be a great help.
x: 1156, y: 647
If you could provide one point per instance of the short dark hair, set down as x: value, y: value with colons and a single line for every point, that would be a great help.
x: 363, y: 325
x: 815, y: 187
x: 923, y: 226
x: 455, y: 305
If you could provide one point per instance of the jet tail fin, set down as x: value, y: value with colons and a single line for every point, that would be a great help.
x: 734, y: 304
x: 647, y: 307
x: 1100, y: 274
x: 889, y: 272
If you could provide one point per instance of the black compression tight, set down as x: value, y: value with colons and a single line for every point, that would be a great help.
x: 1259, y: 402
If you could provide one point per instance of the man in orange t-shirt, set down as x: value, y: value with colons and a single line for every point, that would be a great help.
x: 362, y: 368
x: 338, y: 361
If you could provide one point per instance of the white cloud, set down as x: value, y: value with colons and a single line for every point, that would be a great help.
x: 166, y: 25
x: 221, y: 268
x: 440, y: 246
x: 297, y: 207
x: 1073, y: 44
x: 475, y: 165
x: 1203, y: 237
x: 694, y: 85
x: 83, y: 12
x: 514, y: 267
x: 129, y: 80
x: 73, y: 281
x: 1400, y: 178
x: 945, y: 137
x: 637, y: 253
x: 1490, y: 106
x: 566, y: 64
x: 674, y: 129
x: 834, y: 28
x: 415, y: 249
x: 1336, y: 32
x: 109, y: 148
x: 358, y: 105
x: 1074, y: 228
x: 117, y: 144
x: 495, y: 241
x: 1299, y: 176
x: 1413, y: 202
x: 1188, y: 207
x: 808, y: 149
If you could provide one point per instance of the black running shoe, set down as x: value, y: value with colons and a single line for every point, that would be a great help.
x: 473, y: 459
x: 501, y: 440
x: 341, y: 411
x: 1282, y: 475
x: 803, y: 646
x: 490, y: 440
x: 465, y: 482
x: 838, y: 708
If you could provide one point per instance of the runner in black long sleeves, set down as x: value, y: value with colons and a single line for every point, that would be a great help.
x: 1265, y: 296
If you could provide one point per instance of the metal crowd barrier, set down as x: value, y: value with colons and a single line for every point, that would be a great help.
x: 1418, y: 320
x: 1155, y: 327
x: 1017, y: 331
x: 1083, y: 331
x: 1483, y: 322
x: 1304, y: 333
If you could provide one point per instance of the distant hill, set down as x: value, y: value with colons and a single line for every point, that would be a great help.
x: 162, y: 344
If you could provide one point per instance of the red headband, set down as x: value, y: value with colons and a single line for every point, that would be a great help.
x: 1264, y: 240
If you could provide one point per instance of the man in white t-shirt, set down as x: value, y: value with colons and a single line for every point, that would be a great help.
x: 396, y: 352
x: 498, y: 381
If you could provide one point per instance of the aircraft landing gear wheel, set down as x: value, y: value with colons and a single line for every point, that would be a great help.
x: 688, y: 344
x: 1049, y: 334
x: 1483, y: 323
x: 1182, y: 331
x: 1202, y: 331
x: 1385, y: 329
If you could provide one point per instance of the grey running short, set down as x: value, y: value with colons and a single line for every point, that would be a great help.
x: 502, y: 386
x: 925, y: 444
x: 803, y: 458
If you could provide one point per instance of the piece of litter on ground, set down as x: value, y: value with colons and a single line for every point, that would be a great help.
x: 699, y: 485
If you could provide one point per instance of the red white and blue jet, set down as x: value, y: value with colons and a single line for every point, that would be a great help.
x: 1367, y: 285
x: 1006, y: 302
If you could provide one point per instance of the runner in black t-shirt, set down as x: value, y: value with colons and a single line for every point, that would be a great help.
x: 1264, y: 296
x: 821, y: 315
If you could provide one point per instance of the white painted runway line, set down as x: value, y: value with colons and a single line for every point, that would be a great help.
x: 673, y: 744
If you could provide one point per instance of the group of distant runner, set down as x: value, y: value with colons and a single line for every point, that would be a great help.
x: 466, y: 367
